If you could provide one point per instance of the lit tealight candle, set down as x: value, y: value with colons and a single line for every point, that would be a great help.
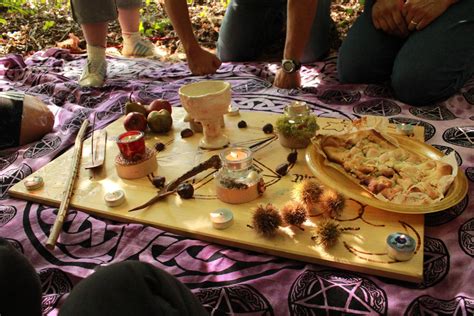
x: 236, y: 158
x: 400, y: 246
x: 221, y: 218
x: 236, y: 155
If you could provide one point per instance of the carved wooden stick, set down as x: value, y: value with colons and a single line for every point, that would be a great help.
x: 76, y: 159
x: 170, y: 188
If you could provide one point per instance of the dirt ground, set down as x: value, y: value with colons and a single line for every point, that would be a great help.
x: 37, y: 28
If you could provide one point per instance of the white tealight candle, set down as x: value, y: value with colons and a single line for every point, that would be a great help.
x: 114, y: 198
x: 221, y: 218
x: 33, y: 183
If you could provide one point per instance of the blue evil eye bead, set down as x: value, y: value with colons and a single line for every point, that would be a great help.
x: 400, y: 246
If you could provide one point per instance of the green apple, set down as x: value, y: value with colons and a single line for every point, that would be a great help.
x: 160, y: 121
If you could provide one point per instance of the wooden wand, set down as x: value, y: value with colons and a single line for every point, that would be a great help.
x: 76, y: 159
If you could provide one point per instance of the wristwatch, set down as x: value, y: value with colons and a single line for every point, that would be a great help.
x: 290, y: 66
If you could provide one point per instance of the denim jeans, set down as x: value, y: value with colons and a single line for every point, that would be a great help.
x: 428, y: 66
x: 254, y: 29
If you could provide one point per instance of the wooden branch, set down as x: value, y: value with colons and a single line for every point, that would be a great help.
x: 170, y: 188
x: 76, y: 159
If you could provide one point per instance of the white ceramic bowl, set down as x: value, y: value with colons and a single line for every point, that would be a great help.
x: 205, y: 100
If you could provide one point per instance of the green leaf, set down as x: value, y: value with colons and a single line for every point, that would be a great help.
x: 3, y: 21
x: 47, y: 25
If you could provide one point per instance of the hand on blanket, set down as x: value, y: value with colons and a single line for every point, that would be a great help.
x: 419, y: 13
x: 387, y: 16
x: 287, y: 81
x: 202, y: 62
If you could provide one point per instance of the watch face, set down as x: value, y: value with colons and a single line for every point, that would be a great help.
x: 288, y: 66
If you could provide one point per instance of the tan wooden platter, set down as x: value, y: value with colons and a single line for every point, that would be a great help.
x: 362, y: 251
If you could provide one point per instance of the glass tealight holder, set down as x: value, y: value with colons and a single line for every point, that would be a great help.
x: 296, y: 126
x: 238, y: 181
x: 132, y: 145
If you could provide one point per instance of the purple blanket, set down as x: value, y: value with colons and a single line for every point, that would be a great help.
x: 227, y: 280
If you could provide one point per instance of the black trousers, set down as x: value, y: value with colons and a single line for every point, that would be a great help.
x: 125, y: 288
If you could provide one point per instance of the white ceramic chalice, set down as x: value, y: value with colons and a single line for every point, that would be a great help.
x: 206, y: 102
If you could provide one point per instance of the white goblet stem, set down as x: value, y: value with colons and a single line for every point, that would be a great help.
x: 212, y: 135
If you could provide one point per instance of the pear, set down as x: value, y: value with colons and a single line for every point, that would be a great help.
x: 135, y: 107
x: 160, y: 121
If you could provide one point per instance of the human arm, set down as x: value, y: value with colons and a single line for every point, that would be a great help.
x: 387, y: 16
x: 420, y: 13
x: 300, y: 18
x: 23, y: 119
x: 200, y: 61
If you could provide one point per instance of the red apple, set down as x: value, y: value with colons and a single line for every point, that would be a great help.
x: 135, y: 121
x: 158, y: 104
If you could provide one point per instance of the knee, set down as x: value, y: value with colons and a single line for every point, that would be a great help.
x: 414, y: 86
x: 349, y: 68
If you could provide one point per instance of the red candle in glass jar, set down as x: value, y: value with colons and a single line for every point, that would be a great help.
x: 132, y: 145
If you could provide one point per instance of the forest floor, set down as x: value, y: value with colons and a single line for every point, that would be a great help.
x: 30, y: 29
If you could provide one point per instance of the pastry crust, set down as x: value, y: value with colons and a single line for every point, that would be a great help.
x: 386, y: 170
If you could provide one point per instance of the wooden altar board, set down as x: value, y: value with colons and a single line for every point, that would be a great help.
x: 360, y: 251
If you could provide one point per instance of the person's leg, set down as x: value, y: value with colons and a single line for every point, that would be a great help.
x: 319, y: 39
x: 93, y: 17
x: 131, y: 288
x: 367, y: 54
x: 438, y: 60
x: 250, y: 28
x: 129, y: 18
x: 20, y: 290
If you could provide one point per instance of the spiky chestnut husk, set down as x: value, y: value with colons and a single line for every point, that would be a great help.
x: 308, y: 192
x: 327, y: 233
x: 266, y: 220
x: 294, y: 213
x: 332, y: 203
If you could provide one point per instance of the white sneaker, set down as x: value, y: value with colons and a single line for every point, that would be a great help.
x: 94, y: 73
x: 136, y: 46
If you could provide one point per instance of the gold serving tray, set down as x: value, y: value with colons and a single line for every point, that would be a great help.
x: 332, y: 177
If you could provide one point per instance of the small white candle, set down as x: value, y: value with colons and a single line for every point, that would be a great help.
x: 33, y: 183
x: 114, y: 198
x: 221, y: 218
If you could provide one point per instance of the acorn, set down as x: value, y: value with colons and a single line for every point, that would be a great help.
x: 242, y: 124
x: 187, y: 132
x: 266, y: 220
x: 294, y: 213
x: 159, y: 146
x: 332, y: 203
x: 308, y: 192
x: 267, y: 128
x: 292, y: 157
x: 185, y: 190
x: 282, y: 169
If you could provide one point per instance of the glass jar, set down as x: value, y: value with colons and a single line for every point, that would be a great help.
x: 238, y: 181
x: 297, y: 126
